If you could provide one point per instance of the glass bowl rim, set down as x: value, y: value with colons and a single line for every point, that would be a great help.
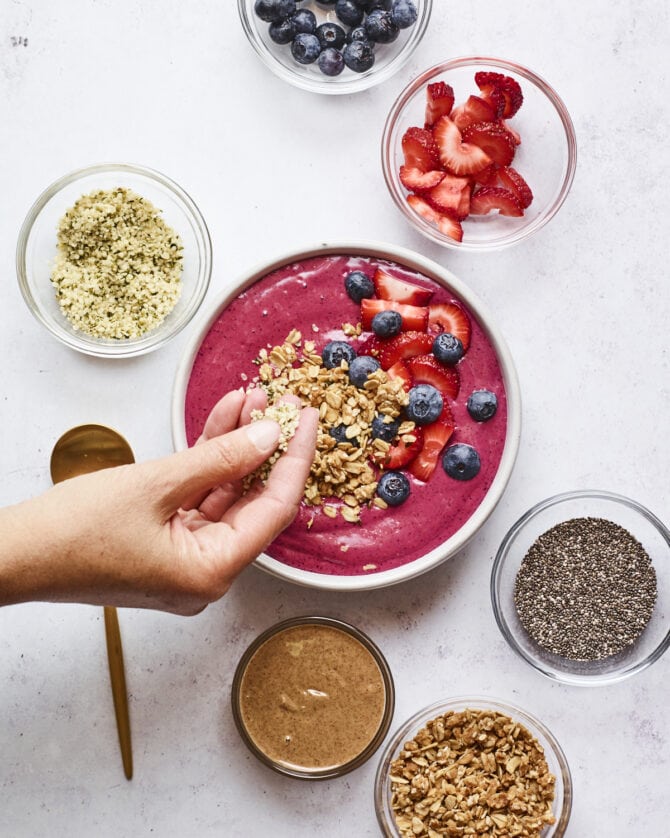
x: 385, y: 671
x: 474, y: 702
x: 157, y: 337
x: 499, y: 562
x: 392, y: 182
x: 359, y: 82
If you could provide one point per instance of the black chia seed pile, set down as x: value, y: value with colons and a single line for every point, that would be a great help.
x: 586, y: 589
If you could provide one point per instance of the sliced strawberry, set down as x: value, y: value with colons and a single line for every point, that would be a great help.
x: 474, y: 109
x: 413, y: 317
x: 487, y: 176
x: 506, y: 86
x: 513, y: 181
x: 490, y: 198
x: 447, y: 195
x: 403, y: 346
x: 426, y: 369
x: 400, y: 454
x: 371, y: 345
x: 515, y: 134
x: 435, y: 437
x: 399, y: 371
x: 463, y: 208
x: 419, y: 149
x: 458, y: 157
x: 439, y: 100
x: 388, y: 287
x: 447, y: 224
x: 492, y: 138
x: 450, y: 317
x: 414, y: 180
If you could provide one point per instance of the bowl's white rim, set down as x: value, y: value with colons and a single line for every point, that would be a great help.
x: 444, y: 277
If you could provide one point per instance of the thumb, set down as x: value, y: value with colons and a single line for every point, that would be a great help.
x: 221, y: 459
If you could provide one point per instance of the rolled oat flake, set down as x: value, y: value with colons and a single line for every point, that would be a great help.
x: 586, y: 589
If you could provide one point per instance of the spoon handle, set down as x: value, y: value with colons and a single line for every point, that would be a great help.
x: 118, y: 680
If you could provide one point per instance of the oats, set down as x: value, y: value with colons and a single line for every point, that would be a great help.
x: 330, y: 511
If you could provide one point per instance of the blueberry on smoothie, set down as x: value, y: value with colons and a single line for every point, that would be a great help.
x: 272, y: 11
x: 461, y: 461
x: 387, y: 324
x: 304, y: 21
x: 393, y: 488
x: 305, y: 48
x: 380, y: 27
x: 336, y: 351
x: 482, y: 405
x: 448, y: 349
x: 404, y: 13
x: 349, y: 12
x: 358, y: 286
x: 361, y: 367
x: 331, y: 62
x: 330, y: 35
x: 384, y: 430
x: 339, y: 434
x: 425, y: 404
x: 359, y: 56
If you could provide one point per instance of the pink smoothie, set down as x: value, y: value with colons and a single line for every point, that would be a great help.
x: 311, y: 293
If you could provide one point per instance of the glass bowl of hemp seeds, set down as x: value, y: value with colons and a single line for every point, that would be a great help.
x: 114, y: 259
x: 581, y: 587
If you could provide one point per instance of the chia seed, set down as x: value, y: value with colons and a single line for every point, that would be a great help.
x: 586, y: 589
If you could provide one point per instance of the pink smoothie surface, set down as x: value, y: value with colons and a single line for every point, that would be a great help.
x: 309, y: 295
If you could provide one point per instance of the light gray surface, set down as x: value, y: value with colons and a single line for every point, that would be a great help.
x: 584, y: 307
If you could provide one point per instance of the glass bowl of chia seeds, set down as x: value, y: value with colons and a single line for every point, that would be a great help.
x: 581, y: 587
x: 114, y: 259
x: 284, y: 34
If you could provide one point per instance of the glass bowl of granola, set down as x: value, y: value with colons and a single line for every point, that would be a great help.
x: 473, y: 761
x: 391, y: 493
x: 114, y: 259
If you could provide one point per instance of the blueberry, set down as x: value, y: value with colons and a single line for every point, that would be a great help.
x: 380, y: 27
x: 327, y: 4
x: 425, y: 404
x: 386, y: 431
x: 349, y: 12
x: 386, y: 324
x: 448, y: 349
x: 370, y: 5
x: 358, y: 33
x: 331, y: 62
x: 393, y: 487
x: 339, y: 434
x: 272, y: 11
x: 330, y: 35
x: 361, y: 367
x: 304, y: 20
x: 358, y: 286
x: 359, y: 56
x: 482, y: 405
x: 404, y: 13
x: 461, y: 461
x: 283, y: 31
x: 305, y: 48
x: 336, y: 351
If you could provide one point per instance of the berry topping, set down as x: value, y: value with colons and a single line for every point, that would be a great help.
x: 450, y: 317
x: 506, y: 86
x: 439, y: 101
x: 403, y: 452
x: 414, y: 180
x: 495, y: 140
x: 435, y: 437
x: 447, y: 223
x: 403, y: 13
x: 387, y: 324
x: 358, y: 286
x: 330, y: 35
x: 490, y: 198
x: 380, y: 27
x: 482, y: 405
x: 387, y: 287
x: 304, y: 21
x: 393, y: 488
x: 349, y: 12
x: 413, y: 317
x: 359, y: 56
x: 426, y: 369
x: 448, y: 349
x: 272, y: 11
x: 336, y: 351
x: 425, y: 404
x: 420, y: 150
x: 360, y: 368
x: 512, y: 180
x: 305, y: 48
x: 461, y: 461
x: 405, y: 345
x: 456, y: 156
x: 331, y: 62
x: 384, y: 428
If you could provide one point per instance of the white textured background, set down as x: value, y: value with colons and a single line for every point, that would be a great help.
x: 584, y: 306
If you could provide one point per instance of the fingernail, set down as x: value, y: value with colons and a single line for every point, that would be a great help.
x: 264, y: 434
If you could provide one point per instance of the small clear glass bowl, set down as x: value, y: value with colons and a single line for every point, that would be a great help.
x: 644, y: 526
x: 546, y: 157
x: 37, y: 247
x: 389, y: 58
x: 556, y: 760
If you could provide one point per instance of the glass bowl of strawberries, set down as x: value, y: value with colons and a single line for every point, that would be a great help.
x: 479, y: 153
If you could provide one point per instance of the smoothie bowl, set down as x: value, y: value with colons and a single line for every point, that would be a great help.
x: 416, y: 442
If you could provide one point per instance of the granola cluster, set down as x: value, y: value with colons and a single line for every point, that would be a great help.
x: 342, y: 471
x: 474, y: 772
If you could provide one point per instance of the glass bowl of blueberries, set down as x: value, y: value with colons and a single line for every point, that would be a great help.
x: 334, y: 46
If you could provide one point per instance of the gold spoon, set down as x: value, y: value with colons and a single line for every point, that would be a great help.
x: 81, y: 450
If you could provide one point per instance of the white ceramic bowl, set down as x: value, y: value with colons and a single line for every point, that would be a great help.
x: 448, y: 281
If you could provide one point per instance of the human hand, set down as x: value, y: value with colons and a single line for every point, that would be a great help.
x: 170, y: 534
